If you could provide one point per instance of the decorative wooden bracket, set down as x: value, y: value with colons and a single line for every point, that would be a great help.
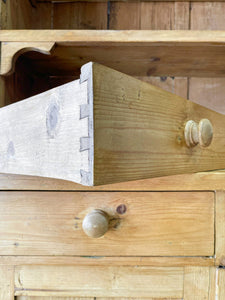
x: 106, y: 127
x: 11, y: 51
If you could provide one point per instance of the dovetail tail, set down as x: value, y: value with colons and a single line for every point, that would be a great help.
x: 84, y: 111
x: 84, y: 143
x: 85, y: 177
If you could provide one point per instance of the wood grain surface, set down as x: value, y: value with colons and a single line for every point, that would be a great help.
x: 205, y: 91
x: 150, y: 53
x: 6, y: 283
x: 153, y: 261
x: 99, y: 281
x: 139, y: 131
x: 220, y: 231
x: 50, y: 223
x: 49, y: 135
x: 196, y: 283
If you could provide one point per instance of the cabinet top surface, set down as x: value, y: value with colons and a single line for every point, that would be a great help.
x: 152, y: 36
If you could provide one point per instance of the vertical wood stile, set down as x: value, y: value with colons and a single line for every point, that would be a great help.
x: 6, y: 283
x: 196, y: 283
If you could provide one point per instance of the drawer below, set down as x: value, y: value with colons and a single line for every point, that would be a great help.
x: 149, y: 223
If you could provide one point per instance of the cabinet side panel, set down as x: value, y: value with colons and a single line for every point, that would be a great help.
x: 47, y: 135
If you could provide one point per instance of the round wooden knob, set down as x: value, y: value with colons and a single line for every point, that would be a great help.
x: 96, y: 223
x: 205, y: 132
x: 201, y: 133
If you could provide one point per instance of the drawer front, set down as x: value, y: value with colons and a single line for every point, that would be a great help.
x: 115, y: 283
x: 141, y: 223
x: 86, y: 281
x: 139, y: 132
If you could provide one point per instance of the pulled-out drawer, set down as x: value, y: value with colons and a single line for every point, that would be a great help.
x: 140, y: 223
x: 98, y: 125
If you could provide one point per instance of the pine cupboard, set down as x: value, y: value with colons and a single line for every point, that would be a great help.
x: 158, y: 238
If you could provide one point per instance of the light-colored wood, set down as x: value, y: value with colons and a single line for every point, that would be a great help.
x: 99, y: 281
x: 201, y: 133
x: 50, y: 223
x: 98, y: 298
x: 205, y: 132
x: 148, y: 52
x: 196, y: 283
x: 151, y: 134
x: 51, y: 298
x: 215, y: 180
x: 213, y: 278
x: 221, y: 284
x: 146, y: 298
x: 11, y: 52
x: 191, y: 133
x: 220, y: 228
x: 124, y: 144
x: 198, y: 181
x: 132, y: 37
x: 6, y: 283
x: 153, y: 261
x: 96, y: 223
x: 56, y: 140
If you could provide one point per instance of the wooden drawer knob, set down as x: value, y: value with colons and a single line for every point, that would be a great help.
x: 201, y: 133
x: 96, y: 223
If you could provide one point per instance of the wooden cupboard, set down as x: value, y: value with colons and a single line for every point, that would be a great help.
x: 169, y: 243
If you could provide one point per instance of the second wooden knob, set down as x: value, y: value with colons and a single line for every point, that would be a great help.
x: 201, y: 133
x: 96, y: 223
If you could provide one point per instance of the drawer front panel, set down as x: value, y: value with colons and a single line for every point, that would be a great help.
x: 141, y: 223
x: 86, y: 281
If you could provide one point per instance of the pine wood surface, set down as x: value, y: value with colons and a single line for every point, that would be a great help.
x: 115, y: 152
x: 186, y: 283
x: 220, y: 232
x: 46, y: 135
x: 53, y: 298
x: 50, y: 223
x: 6, y: 282
x: 125, y: 144
x: 221, y: 284
x: 153, y: 261
x: 204, y: 91
x: 84, y: 298
x: 177, y: 18
x: 193, y: 38
x: 99, y: 281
